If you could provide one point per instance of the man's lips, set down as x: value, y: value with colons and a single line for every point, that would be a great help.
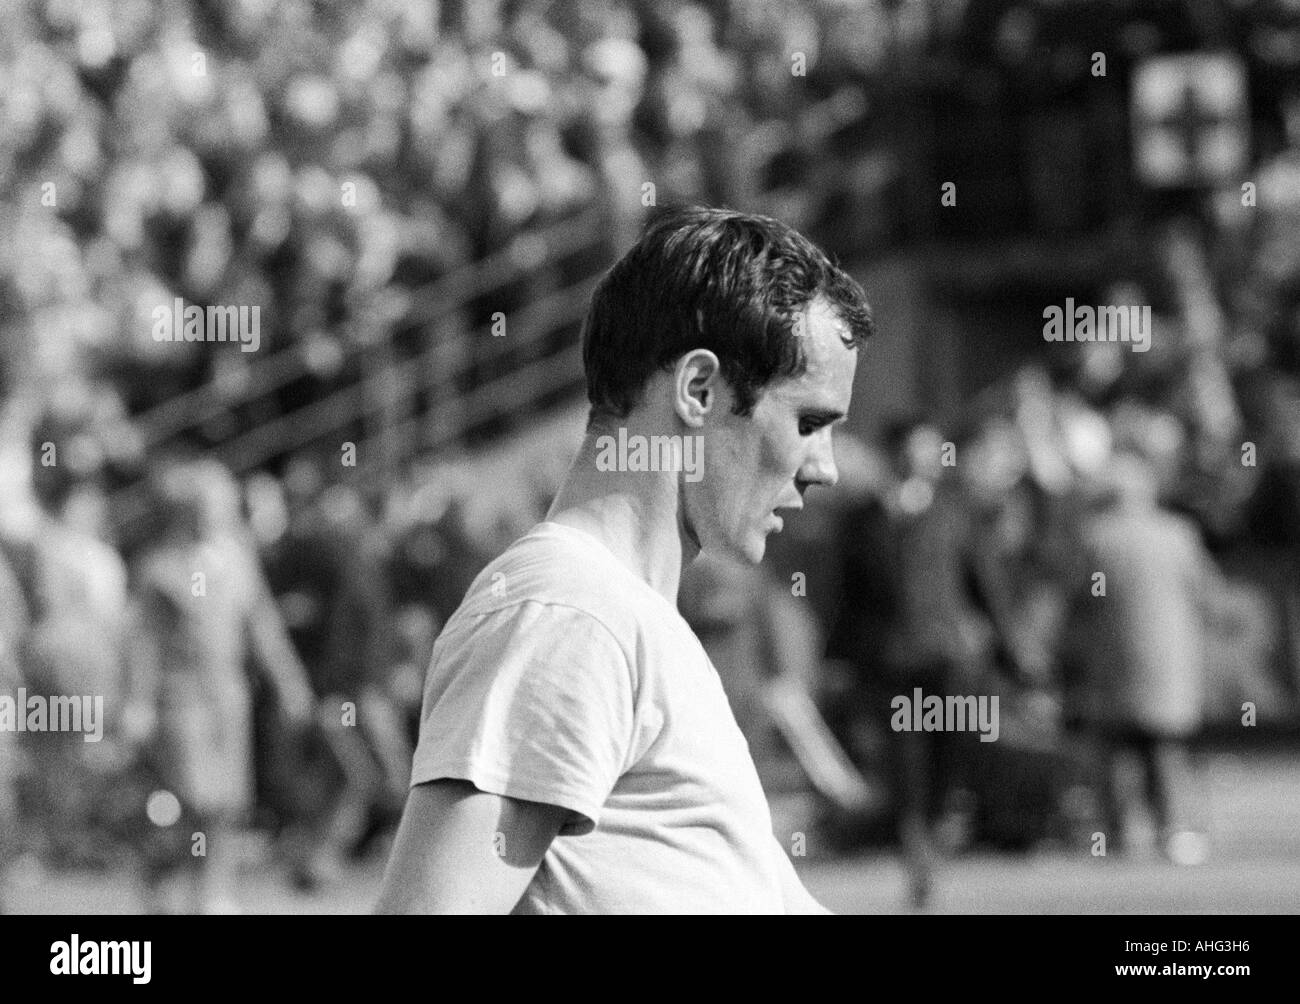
x: 775, y: 520
x: 779, y: 520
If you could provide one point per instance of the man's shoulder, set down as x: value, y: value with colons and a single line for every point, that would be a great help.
x: 547, y: 609
x: 551, y: 568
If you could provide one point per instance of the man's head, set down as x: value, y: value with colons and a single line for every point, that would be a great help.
x: 738, y: 330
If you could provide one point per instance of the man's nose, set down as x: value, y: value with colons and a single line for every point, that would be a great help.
x: 819, y: 468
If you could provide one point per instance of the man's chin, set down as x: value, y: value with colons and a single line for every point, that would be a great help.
x: 749, y: 550
x: 752, y: 550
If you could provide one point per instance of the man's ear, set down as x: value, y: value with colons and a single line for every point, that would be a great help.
x: 697, y: 379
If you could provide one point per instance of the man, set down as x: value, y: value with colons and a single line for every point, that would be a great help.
x: 576, y: 751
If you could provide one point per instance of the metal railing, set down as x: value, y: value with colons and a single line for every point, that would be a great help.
x: 526, y: 369
x: 525, y: 255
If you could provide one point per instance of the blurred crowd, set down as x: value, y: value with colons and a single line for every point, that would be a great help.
x: 206, y: 150
x: 329, y: 162
x: 1105, y: 539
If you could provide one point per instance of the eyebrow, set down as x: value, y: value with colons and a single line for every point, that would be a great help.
x: 829, y: 416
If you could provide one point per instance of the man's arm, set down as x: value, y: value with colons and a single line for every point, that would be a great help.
x: 796, y: 898
x: 460, y: 850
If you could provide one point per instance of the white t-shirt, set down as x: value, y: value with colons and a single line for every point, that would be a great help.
x: 564, y: 678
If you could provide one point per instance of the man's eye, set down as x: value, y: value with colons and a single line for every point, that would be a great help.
x: 809, y: 425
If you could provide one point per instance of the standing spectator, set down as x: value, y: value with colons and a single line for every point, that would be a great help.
x: 1139, y: 649
x: 76, y: 586
x: 907, y: 622
x: 203, y: 602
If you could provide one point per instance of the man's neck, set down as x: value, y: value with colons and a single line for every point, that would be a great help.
x: 636, y: 514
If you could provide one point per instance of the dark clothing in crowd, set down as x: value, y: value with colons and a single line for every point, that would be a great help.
x: 1138, y: 650
x: 907, y: 623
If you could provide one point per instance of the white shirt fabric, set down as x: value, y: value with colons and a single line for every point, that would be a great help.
x: 564, y: 678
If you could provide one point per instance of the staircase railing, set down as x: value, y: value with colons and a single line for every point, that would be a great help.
x: 387, y: 384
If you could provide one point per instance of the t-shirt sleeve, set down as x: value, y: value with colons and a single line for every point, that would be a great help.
x: 794, y: 894
x: 534, y: 701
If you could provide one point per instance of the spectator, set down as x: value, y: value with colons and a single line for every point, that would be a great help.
x: 202, y: 602
x: 1138, y: 645
x: 908, y: 623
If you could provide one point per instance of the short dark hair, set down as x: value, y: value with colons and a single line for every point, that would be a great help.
x: 701, y: 278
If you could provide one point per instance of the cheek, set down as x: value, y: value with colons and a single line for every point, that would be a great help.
x: 779, y: 459
x: 738, y: 463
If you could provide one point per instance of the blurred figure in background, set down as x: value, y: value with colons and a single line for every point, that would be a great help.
x: 767, y: 649
x: 76, y: 590
x: 1269, y: 298
x: 907, y: 622
x: 203, y: 604
x: 1137, y: 647
x: 1018, y: 471
x: 309, y: 566
x: 326, y: 792
x: 13, y: 625
x: 351, y: 685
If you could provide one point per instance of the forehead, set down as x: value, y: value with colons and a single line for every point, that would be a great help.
x: 831, y: 360
x: 826, y: 334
